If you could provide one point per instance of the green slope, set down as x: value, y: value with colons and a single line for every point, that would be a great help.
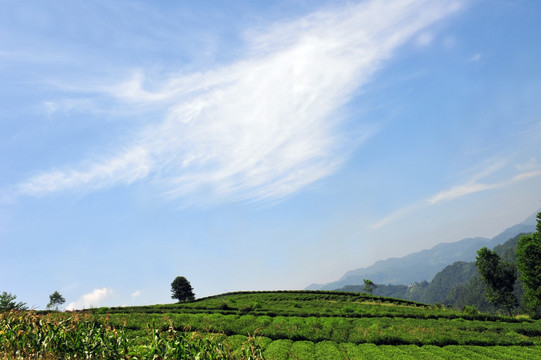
x: 282, y: 325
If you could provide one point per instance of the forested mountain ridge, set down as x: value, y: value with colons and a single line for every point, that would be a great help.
x: 422, y: 266
x: 457, y: 284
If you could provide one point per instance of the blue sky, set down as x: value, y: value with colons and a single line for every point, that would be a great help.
x: 254, y: 145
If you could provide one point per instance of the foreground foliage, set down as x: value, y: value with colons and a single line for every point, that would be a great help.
x: 27, y: 335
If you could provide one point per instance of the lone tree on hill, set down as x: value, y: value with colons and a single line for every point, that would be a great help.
x: 181, y: 289
x: 529, y: 265
x: 55, y: 301
x: 499, y: 278
x: 369, y: 286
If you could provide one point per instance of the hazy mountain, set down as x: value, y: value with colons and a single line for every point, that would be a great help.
x: 423, y: 265
x: 457, y: 284
x: 459, y: 273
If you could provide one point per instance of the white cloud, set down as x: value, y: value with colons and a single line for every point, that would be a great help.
x: 459, y: 191
x: 136, y: 294
x: 127, y: 167
x: 475, y: 185
x: 93, y: 299
x: 261, y: 128
x: 524, y: 176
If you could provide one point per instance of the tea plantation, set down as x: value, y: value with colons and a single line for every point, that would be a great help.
x: 273, y: 325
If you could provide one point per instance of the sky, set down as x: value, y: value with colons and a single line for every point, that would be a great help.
x: 256, y: 145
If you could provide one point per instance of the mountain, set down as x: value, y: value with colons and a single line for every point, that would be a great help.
x: 424, y: 265
x: 525, y: 227
x: 416, y: 267
x: 457, y: 285
x: 459, y: 273
x: 451, y: 276
x: 471, y: 292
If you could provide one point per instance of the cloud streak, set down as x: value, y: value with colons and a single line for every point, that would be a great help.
x: 473, y: 186
x: 261, y: 128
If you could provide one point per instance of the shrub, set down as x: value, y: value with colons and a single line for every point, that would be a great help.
x: 245, y: 309
x: 470, y: 310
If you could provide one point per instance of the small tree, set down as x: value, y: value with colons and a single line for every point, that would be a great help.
x: 7, y: 302
x: 55, y: 301
x: 529, y: 265
x: 499, y: 278
x: 181, y: 289
x: 369, y: 286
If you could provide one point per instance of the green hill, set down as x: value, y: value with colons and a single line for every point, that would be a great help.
x: 339, y: 317
x: 274, y: 325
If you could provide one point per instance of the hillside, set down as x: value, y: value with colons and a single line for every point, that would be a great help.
x: 457, y: 284
x: 416, y: 267
x: 291, y: 318
x: 274, y: 325
x: 423, y: 266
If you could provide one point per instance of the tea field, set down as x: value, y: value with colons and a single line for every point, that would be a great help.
x: 272, y: 325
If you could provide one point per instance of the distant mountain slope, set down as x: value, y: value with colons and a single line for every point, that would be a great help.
x: 525, y: 227
x: 457, y: 285
x: 458, y: 273
x: 416, y: 267
x: 424, y: 265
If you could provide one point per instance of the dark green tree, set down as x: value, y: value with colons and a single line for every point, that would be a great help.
x: 499, y: 278
x: 182, y: 289
x: 55, y: 301
x: 369, y: 286
x: 529, y: 266
x: 7, y: 302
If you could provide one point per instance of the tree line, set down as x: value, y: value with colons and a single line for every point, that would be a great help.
x: 500, y: 276
x: 8, y: 302
x: 181, y: 290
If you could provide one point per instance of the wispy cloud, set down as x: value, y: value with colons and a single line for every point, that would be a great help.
x: 261, y: 128
x: 461, y: 190
x: 531, y: 165
x: 398, y: 214
x: 474, y: 185
x: 127, y: 167
x: 67, y: 105
x: 92, y: 299
x: 424, y: 39
x: 475, y: 58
